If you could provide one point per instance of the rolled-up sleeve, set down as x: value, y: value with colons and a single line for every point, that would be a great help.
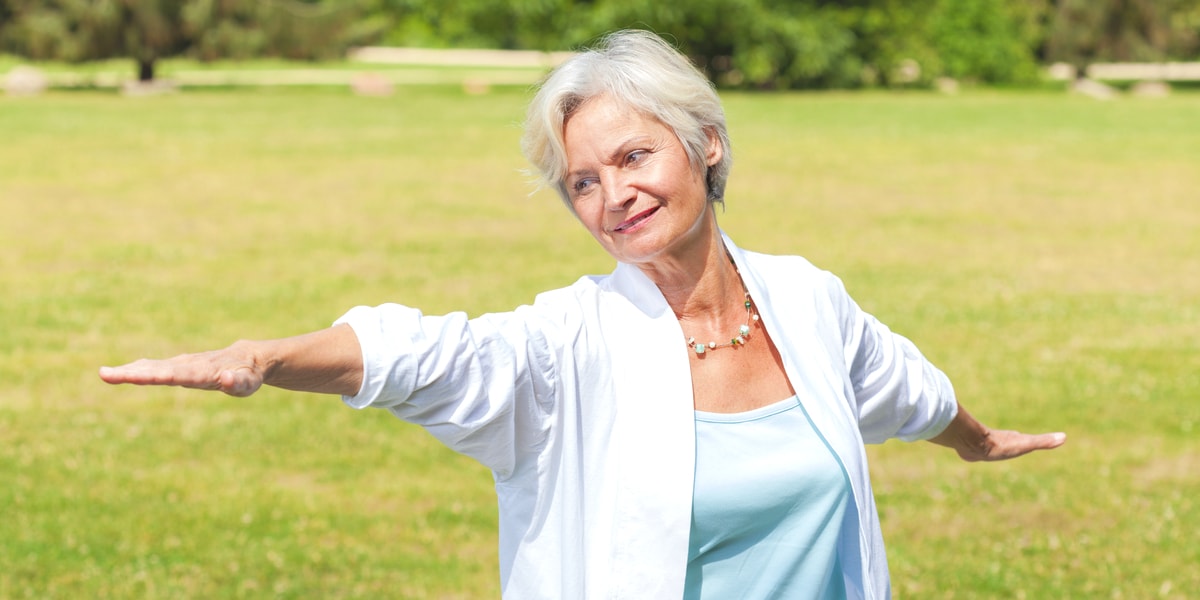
x: 481, y: 386
x: 395, y: 372
x: 899, y: 393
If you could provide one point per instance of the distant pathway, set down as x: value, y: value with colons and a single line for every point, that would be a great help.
x: 395, y: 66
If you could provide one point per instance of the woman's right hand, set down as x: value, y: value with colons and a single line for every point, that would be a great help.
x: 326, y: 362
x: 235, y: 370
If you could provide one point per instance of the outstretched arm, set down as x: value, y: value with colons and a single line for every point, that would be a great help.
x: 327, y: 361
x: 974, y: 441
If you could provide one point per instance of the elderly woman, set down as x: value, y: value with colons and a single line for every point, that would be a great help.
x: 691, y: 425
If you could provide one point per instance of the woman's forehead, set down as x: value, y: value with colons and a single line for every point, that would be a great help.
x: 605, y: 115
x: 607, y: 128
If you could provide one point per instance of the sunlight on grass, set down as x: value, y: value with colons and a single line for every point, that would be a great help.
x: 1043, y: 249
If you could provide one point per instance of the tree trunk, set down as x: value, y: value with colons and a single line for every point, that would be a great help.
x: 145, y: 70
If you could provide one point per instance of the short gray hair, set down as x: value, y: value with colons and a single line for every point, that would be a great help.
x: 641, y: 70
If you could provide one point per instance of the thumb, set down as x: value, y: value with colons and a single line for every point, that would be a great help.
x: 240, y: 382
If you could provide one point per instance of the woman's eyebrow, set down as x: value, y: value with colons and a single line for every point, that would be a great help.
x: 623, y: 147
x: 615, y: 156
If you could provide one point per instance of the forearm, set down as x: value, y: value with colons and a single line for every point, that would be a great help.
x: 328, y: 361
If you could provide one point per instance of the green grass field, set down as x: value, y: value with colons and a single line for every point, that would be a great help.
x: 1043, y: 249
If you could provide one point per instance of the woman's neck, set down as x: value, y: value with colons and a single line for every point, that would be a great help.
x: 703, y: 285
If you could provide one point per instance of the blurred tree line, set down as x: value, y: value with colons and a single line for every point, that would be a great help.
x: 147, y: 30
x: 741, y: 43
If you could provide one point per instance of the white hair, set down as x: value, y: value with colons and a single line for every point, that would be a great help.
x: 640, y: 70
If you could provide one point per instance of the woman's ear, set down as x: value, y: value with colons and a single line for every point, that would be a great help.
x: 715, y: 151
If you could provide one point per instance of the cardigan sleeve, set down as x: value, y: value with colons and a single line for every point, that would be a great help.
x: 898, y: 392
x: 481, y: 386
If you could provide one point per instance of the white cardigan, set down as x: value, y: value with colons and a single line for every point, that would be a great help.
x: 581, y: 405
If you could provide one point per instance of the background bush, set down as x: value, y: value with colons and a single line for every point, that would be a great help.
x: 741, y: 43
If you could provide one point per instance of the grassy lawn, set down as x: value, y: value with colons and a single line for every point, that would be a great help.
x: 1043, y: 249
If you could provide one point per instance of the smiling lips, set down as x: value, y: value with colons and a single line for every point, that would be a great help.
x: 635, y: 220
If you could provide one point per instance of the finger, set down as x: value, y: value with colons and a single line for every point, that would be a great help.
x: 1019, y: 444
x: 111, y: 375
x: 1047, y: 441
x: 140, y: 372
x: 1051, y: 440
x: 158, y: 372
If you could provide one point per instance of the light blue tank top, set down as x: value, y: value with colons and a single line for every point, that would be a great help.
x: 767, y: 508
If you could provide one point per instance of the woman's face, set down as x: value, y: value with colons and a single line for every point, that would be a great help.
x: 631, y: 184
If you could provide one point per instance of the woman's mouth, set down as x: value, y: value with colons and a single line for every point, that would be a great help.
x: 635, y: 220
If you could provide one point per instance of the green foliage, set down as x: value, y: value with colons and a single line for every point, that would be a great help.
x: 1032, y: 18
x: 1085, y: 31
x: 822, y: 43
x: 746, y: 43
x: 149, y: 30
x: 1183, y: 17
x: 754, y: 44
x: 528, y: 24
x: 889, y: 39
x: 76, y: 30
x: 810, y: 49
x: 982, y: 40
x: 751, y: 43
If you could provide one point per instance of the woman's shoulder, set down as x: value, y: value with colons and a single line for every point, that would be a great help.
x: 791, y: 269
x: 585, y: 287
x: 564, y: 307
x: 781, y: 261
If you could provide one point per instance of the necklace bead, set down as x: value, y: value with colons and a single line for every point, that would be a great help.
x: 739, y: 340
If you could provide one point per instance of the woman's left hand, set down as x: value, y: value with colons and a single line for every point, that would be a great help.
x: 976, y: 442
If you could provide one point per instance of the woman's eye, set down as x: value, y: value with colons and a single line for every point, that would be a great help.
x: 582, y: 185
x: 635, y: 157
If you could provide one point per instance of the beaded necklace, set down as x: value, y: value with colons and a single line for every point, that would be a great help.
x: 738, y: 340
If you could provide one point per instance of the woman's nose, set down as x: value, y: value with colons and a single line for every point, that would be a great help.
x: 618, y: 193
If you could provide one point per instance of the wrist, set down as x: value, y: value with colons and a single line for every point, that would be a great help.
x: 967, y: 436
x: 255, y: 356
